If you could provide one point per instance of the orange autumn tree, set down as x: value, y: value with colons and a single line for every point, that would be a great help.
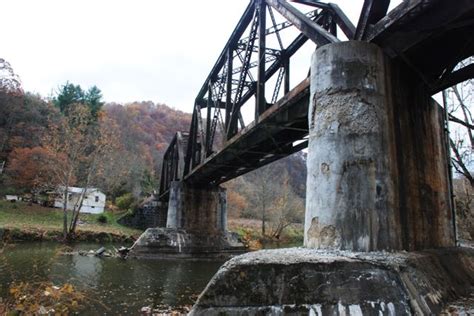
x: 82, y: 145
x: 30, y: 168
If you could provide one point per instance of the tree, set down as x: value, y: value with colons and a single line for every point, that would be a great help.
x: 148, y: 183
x: 93, y: 99
x: 270, y: 197
x: 264, y: 192
x: 288, y: 209
x: 458, y: 101
x: 70, y: 95
x: 29, y: 169
x: 23, y: 122
x: 82, y: 147
x: 236, y: 202
x: 10, y: 104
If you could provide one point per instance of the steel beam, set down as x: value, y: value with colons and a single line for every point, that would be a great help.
x: 261, y: 102
x: 235, y: 112
x: 236, y: 35
x: 309, y: 28
x: 454, y: 78
x: 343, y: 21
x: 372, y: 12
x: 228, y: 96
x: 208, y: 120
x: 313, y: 3
x: 286, y: 66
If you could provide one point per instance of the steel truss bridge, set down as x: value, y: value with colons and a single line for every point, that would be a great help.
x: 253, y: 72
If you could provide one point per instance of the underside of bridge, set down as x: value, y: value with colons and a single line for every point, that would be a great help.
x: 378, y: 173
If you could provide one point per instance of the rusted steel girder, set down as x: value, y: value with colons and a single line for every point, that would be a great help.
x: 312, y: 30
x: 372, y: 12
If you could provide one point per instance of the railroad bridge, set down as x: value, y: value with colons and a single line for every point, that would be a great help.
x: 378, y: 173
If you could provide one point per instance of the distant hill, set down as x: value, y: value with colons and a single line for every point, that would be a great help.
x: 148, y: 128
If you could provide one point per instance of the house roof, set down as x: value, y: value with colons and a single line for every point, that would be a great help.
x: 79, y: 190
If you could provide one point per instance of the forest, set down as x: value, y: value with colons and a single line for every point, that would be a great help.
x: 74, y: 138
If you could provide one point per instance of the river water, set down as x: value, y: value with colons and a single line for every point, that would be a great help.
x: 116, y: 286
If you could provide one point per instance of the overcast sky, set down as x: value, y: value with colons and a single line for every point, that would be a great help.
x: 132, y: 50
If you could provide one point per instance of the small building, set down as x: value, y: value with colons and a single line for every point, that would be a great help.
x: 12, y: 198
x: 93, y: 203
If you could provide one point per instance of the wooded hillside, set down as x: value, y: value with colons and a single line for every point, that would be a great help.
x: 132, y: 139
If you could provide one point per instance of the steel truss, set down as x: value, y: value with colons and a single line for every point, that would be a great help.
x: 231, y: 83
x: 248, y: 66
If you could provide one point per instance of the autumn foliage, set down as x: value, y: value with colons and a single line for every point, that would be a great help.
x: 74, y: 139
x: 31, y: 168
x: 33, y: 143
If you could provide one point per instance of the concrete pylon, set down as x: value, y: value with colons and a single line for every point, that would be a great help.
x: 196, y: 226
x: 201, y: 210
x: 377, y: 171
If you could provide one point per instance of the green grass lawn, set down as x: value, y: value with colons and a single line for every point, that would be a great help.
x: 22, y: 216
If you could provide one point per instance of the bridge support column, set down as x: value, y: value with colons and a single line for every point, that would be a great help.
x: 197, y: 209
x: 196, y: 226
x: 377, y: 172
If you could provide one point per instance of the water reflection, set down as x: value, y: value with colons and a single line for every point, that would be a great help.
x: 114, y: 286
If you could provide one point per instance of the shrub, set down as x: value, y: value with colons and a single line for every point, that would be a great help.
x: 102, y: 219
x: 125, y: 201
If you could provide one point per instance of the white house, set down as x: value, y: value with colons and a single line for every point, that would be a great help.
x: 94, y: 200
x: 12, y: 198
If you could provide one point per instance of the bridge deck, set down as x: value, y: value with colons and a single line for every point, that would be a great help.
x: 270, y: 139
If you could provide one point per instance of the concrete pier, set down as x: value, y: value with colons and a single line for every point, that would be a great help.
x: 196, y: 226
x: 377, y: 172
x: 315, y: 282
x: 197, y: 209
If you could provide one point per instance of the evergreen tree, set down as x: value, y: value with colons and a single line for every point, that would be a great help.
x: 93, y: 99
x: 70, y: 95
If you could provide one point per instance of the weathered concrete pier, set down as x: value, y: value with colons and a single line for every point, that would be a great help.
x: 196, y: 226
x: 377, y: 171
x: 315, y: 282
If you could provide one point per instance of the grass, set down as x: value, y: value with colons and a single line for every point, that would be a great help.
x: 26, y: 217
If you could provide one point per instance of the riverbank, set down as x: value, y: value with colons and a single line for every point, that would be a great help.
x: 22, y: 222
x: 250, y: 232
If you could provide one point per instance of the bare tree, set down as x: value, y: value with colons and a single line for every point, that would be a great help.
x: 275, y: 201
x: 458, y: 101
x: 264, y: 193
x: 288, y: 208
x: 81, y: 147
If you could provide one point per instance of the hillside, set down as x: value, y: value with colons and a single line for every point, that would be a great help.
x: 141, y: 132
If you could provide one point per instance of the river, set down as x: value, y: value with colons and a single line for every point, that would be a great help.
x: 115, y: 286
